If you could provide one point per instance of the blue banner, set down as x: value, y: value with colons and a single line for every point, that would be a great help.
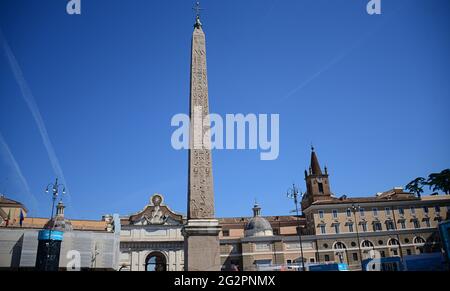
x: 47, y: 234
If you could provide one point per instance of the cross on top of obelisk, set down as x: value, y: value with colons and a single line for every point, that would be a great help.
x: 197, y: 10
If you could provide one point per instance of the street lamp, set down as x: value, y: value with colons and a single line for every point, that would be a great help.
x: 397, y: 232
x: 293, y: 194
x: 355, y: 208
x: 55, y: 193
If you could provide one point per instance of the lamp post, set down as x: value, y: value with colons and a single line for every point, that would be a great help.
x: 355, y: 208
x: 55, y: 193
x: 293, y: 194
x: 131, y: 259
x: 397, y: 232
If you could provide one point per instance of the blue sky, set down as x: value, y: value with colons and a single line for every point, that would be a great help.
x: 371, y: 93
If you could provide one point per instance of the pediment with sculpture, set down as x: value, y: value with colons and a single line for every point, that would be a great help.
x: 156, y: 213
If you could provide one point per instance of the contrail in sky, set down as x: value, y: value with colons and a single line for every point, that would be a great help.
x: 9, y: 157
x: 31, y: 103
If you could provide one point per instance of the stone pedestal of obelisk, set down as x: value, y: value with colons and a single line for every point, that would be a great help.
x: 201, y: 232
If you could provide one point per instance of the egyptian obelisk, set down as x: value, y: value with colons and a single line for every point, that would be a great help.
x: 201, y: 232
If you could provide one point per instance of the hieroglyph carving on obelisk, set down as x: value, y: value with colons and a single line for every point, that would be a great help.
x: 200, y: 188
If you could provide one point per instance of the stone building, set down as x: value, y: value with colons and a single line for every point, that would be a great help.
x: 10, y: 211
x: 392, y: 223
x: 260, y: 242
x: 152, y: 239
x: 95, y: 243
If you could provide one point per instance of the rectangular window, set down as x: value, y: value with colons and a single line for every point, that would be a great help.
x: 408, y: 252
x: 425, y: 209
x: 403, y: 224
x: 427, y: 222
x: 383, y: 254
x: 350, y: 227
x: 355, y: 256
x: 361, y: 211
x: 226, y: 232
x: 437, y: 209
x: 388, y: 211
x: 289, y: 261
x: 312, y: 260
x: 364, y: 227
x: 336, y: 228
x: 389, y: 225
x: 323, y: 229
x: 413, y: 210
x: 395, y: 252
x: 327, y: 258
x: 349, y: 213
x: 276, y: 231
x: 416, y: 224
x: 335, y: 213
x: 377, y: 226
x: 375, y: 211
x: 320, y: 213
x: 401, y: 211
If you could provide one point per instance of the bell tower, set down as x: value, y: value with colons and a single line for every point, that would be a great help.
x: 317, y: 183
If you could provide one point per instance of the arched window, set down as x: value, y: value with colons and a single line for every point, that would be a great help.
x: 393, y: 242
x: 156, y: 261
x: 339, y: 246
x: 419, y: 240
x: 366, y: 244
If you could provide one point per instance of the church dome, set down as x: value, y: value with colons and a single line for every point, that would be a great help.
x: 59, y: 222
x: 257, y: 225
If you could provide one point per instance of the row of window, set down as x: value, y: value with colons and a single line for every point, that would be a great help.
x: 368, y: 244
x: 382, y: 254
x: 394, y: 243
x: 377, y: 226
x: 388, y: 211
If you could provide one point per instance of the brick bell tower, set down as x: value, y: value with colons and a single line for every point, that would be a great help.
x: 317, y: 183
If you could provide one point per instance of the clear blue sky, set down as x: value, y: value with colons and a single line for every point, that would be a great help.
x: 371, y: 92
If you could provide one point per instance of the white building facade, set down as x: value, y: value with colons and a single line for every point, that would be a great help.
x: 151, y: 239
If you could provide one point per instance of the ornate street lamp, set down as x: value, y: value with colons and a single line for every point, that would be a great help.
x: 293, y: 193
x: 46, y: 262
x: 55, y: 193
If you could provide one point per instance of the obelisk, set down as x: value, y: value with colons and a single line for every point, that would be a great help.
x: 201, y: 231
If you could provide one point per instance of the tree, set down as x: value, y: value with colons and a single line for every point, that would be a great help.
x: 416, y: 186
x: 439, y: 181
x: 436, y: 182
